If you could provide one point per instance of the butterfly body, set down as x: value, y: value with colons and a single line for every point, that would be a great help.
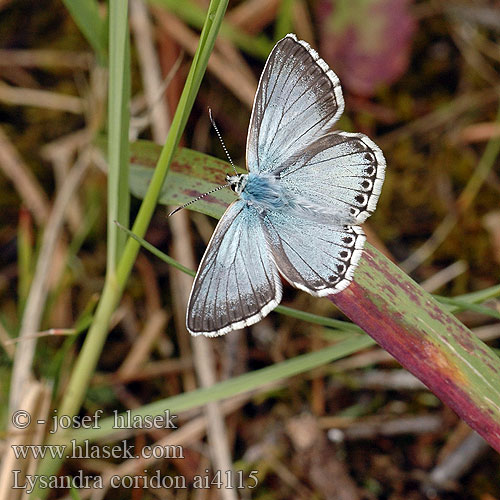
x: 307, y: 189
x: 264, y: 192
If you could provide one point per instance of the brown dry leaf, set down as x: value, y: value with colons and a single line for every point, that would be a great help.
x: 480, y: 132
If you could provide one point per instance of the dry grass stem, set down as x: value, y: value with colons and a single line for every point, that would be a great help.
x: 445, y: 475
x: 24, y: 181
x: 41, y: 99
x: 46, y: 58
x: 342, y: 428
x: 218, y: 65
x: 39, y: 288
x: 203, y: 358
x: 36, y: 401
x: 150, y: 69
x: 151, y: 370
x: 479, y: 132
x: 388, y: 380
x: 253, y: 15
x: 444, y: 276
x: 139, y: 354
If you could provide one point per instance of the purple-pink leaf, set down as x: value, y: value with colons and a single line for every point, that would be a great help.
x: 366, y: 42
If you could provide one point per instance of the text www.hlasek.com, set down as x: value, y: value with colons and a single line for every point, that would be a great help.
x: 86, y: 450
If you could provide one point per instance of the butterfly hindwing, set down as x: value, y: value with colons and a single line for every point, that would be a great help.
x: 315, y: 257
x: 298, y: 99
x: 237, y: 283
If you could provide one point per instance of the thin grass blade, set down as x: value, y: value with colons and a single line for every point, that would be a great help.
x: 118, y: 125
x: 91, y: 24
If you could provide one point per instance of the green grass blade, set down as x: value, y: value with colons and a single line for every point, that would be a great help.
x: 284, y: 23
x: 319, y: 320
x: 479, y: 296
x: 238, y: 385
x: 118, y: 125
x: 91, y: 24
x: 191, y: 173
x: 115, y: 284
x: 74, y: 494
x: 158, y: 253
x: 191, y: 13
x: 462, y: 305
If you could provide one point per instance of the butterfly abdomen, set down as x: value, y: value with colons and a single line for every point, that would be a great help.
x: 264, y: 192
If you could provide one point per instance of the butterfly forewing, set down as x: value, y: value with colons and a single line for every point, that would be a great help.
x: 237, y: 282
x: 298, y: 99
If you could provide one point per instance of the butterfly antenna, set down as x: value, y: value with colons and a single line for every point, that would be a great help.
x: 221, y: 141
x: 197, y: 199
x: 219, y: 187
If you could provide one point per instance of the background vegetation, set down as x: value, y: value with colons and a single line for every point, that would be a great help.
x: 420, y: 78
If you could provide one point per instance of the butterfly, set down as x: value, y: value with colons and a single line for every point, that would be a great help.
x: 299, y: 206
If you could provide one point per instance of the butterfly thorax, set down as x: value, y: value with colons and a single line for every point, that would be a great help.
x: 262, y: 191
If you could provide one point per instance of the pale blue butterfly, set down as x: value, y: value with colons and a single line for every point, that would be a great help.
x: 299, y: 206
